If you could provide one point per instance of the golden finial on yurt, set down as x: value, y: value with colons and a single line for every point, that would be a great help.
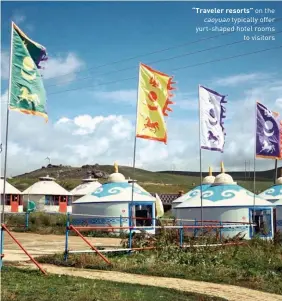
x: 222, y: 167
x: 116, y: 167
x: 210, y: 171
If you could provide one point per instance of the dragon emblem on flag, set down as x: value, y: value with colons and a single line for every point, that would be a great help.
x: 154, y: 94
x: 212, y: 113
x: 268, y: 133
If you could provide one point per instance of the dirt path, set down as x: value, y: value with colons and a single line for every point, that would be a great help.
x: 229, y: 292
x: 37, y: 244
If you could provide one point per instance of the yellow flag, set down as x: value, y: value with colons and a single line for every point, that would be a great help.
x: 153, y: 100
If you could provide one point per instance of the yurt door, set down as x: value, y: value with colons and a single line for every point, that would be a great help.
x: 262, y: 218
x: 14, y: 203
x: 63, y: 204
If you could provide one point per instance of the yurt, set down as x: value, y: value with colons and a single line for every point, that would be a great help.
x: 13, y: 202
x: 228, y: 203
x: 207, y: 181
x: 274, y: 195
x: 88, y: 185
x: 112, y: 205
x: 48, y: 196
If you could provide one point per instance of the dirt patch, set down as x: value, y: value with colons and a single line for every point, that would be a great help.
x: 38, y: 245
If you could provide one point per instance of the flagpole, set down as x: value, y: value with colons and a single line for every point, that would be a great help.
x: 7, y: 123
x: 200, y: 151
x: 255, y: 151
x: 275, y: 171
x: 134, y: 147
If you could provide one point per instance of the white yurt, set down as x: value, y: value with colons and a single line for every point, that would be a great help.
x: 274, y: 195
x: 278, y: 215
x: 13, y: 202
x: 48, y: 196
x: 112, y: 205
x: 88, y: 185
x: 207, y: 181
x: 228, y: 203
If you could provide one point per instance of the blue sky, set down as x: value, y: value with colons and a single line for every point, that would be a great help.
x: 82, y: 35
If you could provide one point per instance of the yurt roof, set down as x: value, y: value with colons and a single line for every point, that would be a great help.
x: 274, y: 192
x: 207, y: 182
x: 9, y: 189
x: 225, y: 193
x: 88, y: 185
x: 46, y: 186
x: 192, y: 193
x: 278, y: 203
x: 117, y: 189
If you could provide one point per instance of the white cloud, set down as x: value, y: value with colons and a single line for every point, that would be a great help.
x: 5, y: 61
x: 238, y: 79
x: 62, y: 69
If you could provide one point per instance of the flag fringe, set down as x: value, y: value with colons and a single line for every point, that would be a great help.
x: 30, y: 112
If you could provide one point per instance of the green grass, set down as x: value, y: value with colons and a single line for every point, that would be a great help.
x: 258, y: 265
x: 23, y: 285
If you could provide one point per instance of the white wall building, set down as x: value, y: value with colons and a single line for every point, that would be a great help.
x: 88, y: 185
x: 48, y: 196
x: 274, y: 195
x: 112, y: 205
x: 225, y: 201
x: 13, y: 202
x: 207, y: 181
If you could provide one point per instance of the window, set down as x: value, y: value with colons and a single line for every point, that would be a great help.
x: 8, y: 200
x: 48, y: 200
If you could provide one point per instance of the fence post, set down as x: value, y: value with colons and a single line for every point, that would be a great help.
x: 220, y: 235
x: 67, y: 237
x: 181, y: 235
x: 26, y: 219
x: 2, y: 247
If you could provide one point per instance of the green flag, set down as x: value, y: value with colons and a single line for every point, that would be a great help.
x: 27, y: 93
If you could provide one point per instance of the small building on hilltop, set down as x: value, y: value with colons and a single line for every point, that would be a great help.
x: 88, y: 185
x: 207, y: 182
x: 13, y: 198
x: 48, y: 196
x: 112, y: 205
x: 232, y: 206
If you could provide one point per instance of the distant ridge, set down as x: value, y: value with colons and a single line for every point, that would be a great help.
x: 265, y: 175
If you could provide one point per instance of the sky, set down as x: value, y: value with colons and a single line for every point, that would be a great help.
x: 93, y: 47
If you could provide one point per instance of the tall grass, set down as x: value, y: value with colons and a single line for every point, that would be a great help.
x: 257, y: 264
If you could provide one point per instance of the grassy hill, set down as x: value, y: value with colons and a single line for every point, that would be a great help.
x: 159, y: 182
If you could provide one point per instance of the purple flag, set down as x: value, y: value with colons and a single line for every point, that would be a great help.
x: 212, y: 113
x: 267, y: 133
